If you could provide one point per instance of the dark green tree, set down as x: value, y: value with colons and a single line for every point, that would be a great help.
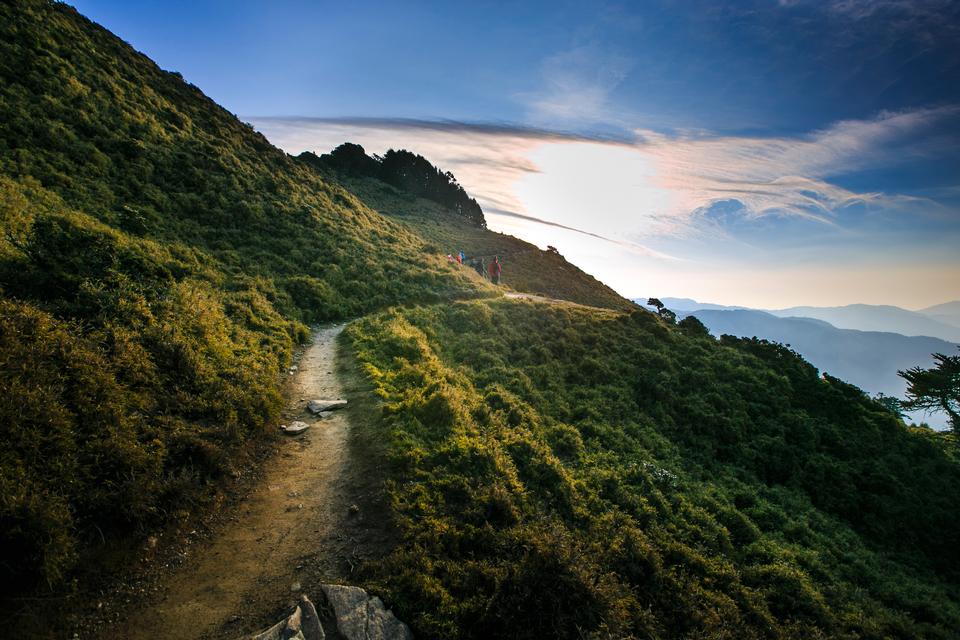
x: 351, y: 159
x: 936, y: 389
x: 692, y: 324
x: 404, y: 170
x: 662, y: 311
x: 892, y: 404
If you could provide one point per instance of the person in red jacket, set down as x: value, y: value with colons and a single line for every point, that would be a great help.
x: 495, y: 270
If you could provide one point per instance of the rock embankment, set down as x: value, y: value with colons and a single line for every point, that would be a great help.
x: 350, y: 613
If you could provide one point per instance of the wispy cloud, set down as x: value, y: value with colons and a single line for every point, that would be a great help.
x: 791, y: 175
x: 577, y: 86
x: 917, y: 10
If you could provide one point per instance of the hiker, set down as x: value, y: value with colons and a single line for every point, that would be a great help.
x: 450, y: 258
x: 460, y: 258
x: 495, y: 270
x: 481, y: 267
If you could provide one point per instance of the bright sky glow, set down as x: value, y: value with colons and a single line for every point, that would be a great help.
x: 760, y: 153
x: 605, y: 187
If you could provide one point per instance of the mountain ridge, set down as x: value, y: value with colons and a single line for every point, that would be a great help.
x: 948, y: 312
x: 869, y: 359
x: 877, y: 318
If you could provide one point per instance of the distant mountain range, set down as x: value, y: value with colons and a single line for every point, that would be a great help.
x: 866, y: 317
x: 862, y: 350
x: 939, y: 321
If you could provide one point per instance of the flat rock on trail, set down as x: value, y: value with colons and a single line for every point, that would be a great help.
x: 288, y: 533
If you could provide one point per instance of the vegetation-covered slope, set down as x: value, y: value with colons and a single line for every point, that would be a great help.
x: 868, y: 359
x: 158, y: 261
x: 526, y: 267
x: 558, y: 471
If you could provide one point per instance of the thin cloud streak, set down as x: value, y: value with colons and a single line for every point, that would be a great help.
x: 444, y: 126
x: 632, y: 246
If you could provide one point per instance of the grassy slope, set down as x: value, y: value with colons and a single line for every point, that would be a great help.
x: 560, y: 471
x: 158, y: 261
x: 526, y: 268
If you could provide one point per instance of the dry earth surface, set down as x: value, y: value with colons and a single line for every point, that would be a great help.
x: 313, y: 518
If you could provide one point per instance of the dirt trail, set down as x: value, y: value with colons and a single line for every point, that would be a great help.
x: 287, y: 534
x: 515, y: 295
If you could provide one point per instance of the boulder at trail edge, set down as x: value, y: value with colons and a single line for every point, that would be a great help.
x: 316, y: 406
x: 362, y: 617
x: 302, y: 624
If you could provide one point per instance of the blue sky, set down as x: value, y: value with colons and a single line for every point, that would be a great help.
x: 756, y: 152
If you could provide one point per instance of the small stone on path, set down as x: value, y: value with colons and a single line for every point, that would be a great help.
x: 321, y: 405
x: 295, y: 427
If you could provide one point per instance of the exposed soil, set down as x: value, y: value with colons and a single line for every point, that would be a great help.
x: 314, y: 517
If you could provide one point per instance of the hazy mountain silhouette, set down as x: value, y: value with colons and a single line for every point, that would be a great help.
x: 868, y: 317
x: 689, y: 304
x: 939, y: 321
x: 948, y: 312
x: 869, y: 359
